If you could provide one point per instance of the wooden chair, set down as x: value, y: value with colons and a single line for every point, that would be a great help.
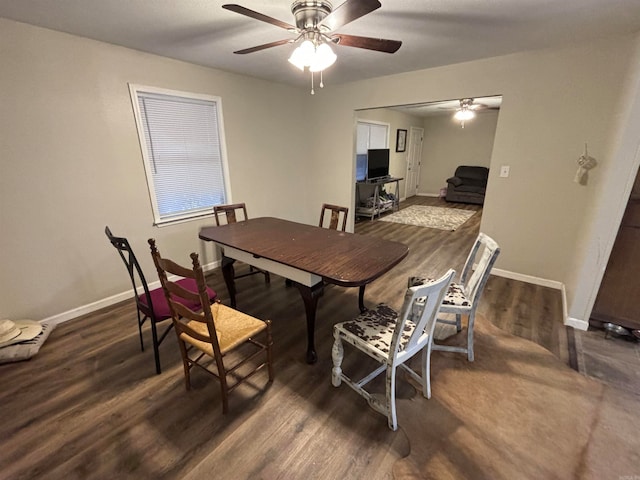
x: 392, y: 339
x: 462, y: 298
x: 231, y: 212
x: 335, y: 216
x: 214, y: 337
x: 150, y: 304
x: 333, y: 222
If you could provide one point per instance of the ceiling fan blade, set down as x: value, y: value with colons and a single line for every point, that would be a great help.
x: 377, y: 44
x: 258, y: 16
x: 263, y: 46
x: 349, y: 11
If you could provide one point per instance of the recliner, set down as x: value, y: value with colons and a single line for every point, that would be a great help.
x: 468, y: 185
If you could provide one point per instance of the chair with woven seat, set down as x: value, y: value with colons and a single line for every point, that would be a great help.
x: 392, y: 339
x: 462, y: 297
x: 150, y: 304
x: 232, y: 212
x: 213, y: 337
x: 334, y: 219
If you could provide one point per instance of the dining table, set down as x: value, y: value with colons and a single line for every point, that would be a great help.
x: 308, y: 256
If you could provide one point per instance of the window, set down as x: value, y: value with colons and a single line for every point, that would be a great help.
x: 371, y: 135
x: 182, y: 142
x: 368, y: 136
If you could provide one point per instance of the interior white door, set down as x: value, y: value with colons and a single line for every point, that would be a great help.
x: 414, y: 157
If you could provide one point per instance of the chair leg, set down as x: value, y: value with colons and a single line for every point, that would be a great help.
x: 426, y: 371
x: 269, y: 352
x: 267, y: 277
x: 391, y: 398
x: 337, y: 354
x: 458, y: 322
x: 140, y: 322
x: 156, y: 347
x: 185, y: 364
x: 225, y: 393
x: 471, y: 321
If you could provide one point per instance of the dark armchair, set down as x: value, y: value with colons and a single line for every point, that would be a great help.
x: 468, y: 185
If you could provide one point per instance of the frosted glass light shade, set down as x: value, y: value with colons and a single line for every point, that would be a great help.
x: 464, y: 114
x: 303, y: 55
x: 323, y: 58
x: 316, y: 58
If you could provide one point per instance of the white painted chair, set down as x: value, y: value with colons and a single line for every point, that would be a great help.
x: 462, y: 297
x: 392, y: 339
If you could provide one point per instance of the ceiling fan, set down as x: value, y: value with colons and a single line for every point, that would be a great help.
x: 467, y: 109
x: 315, y: 23
x: 465, y: 104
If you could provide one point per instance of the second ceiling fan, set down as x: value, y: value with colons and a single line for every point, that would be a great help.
x: 315, y: 24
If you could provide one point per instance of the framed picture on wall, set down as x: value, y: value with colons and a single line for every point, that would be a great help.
x: 401, y: 140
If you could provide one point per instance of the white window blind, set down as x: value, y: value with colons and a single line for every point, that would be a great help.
x: 183, y: 151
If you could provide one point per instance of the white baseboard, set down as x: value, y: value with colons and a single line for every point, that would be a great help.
x: 543, y: 282
x: 428, y: 194
x: 112, y: 300
x: 576, y: 323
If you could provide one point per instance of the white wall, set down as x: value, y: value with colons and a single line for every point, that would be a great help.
x: 553, y: 102
x: 71, y: 164
x: 447, y: 145
x: 596, y: 238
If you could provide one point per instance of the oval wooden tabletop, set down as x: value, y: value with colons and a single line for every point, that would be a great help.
x: 342, y: 258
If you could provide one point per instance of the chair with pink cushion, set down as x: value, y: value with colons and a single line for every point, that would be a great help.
x: 150, y: 304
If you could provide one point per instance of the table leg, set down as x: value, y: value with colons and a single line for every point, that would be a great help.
x: 361, y: 299
x: 228, y: 272
x: 310, y: 296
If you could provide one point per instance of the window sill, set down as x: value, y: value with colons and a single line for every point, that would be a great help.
x: 176, y: 221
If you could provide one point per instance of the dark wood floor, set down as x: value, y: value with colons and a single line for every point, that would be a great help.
x: 89, y: 405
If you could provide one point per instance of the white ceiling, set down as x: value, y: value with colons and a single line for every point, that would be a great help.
x: 433, y: 32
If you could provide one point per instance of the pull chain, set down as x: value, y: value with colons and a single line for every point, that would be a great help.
x: 312, y: 90
x: 321, y: 82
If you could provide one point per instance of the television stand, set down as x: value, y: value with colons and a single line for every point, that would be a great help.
x: 379, y: 179
x: 369, y: 201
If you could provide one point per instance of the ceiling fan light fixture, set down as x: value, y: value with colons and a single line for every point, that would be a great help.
x: 464, y: 114
x: 303, y: 55
x: 315, y: 22
x: 315, y: 58
x: 323, y: 58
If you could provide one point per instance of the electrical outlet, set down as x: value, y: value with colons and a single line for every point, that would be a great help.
x: 504, y: 171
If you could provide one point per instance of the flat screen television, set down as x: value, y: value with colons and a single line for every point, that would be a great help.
x: 377, y: 163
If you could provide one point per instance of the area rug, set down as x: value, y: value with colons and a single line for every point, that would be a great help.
x: 517, y: 411
x: 441, y: 218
